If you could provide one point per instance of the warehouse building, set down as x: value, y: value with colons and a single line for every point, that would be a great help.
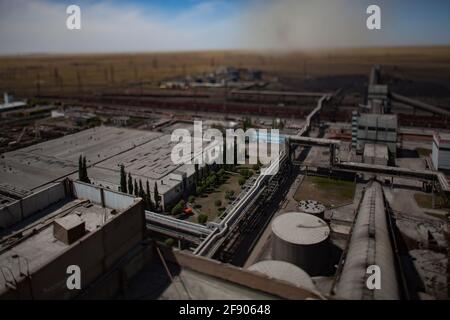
x: 146, y: 156
x: 441, y: 151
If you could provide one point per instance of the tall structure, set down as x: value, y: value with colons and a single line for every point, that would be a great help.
x: 355, y: 116
x: 301, y: 239
x: 377, y: 129
x: 378, y: 99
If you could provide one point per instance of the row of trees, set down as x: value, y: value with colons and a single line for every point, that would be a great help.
x: 210, y: 179
x: 136, y: 188
x: 82, y: 170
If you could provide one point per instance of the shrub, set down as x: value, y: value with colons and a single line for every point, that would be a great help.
x: 241, y: 181
x: 218, y: 203
x: 191, y: 199
x: 229, y: 194
x: 177, y: 209
x: 169, y: 242
x: 202, y: 218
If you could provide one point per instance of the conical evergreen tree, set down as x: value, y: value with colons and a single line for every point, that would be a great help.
x: 130, y: 184
x: 80, y: 168
x: 148, y: 197
x: 123, y: 179
x: 136, y: 188
x: 141, y: 190
x: 156, y: 196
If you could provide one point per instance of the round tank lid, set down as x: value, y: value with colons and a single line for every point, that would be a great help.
x: 300, y: 228
x: 284, y: 271
x: 311, y: 206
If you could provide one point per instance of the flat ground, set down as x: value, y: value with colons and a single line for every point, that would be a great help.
x: 425, y: 201
x: 327, y: 191
x: 207, y: 202
x: 65, y: 74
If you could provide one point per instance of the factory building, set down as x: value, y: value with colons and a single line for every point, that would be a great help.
x: 303, y: 240
x: 441, y: 151
x: 377, y: 129
x: 376, y: 154
x: 146, y: 156
x: 88, y: 227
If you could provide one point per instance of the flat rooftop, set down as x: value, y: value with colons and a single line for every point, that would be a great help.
x: 32, y: 167
x: 37, y: 244
x: 146, y: 155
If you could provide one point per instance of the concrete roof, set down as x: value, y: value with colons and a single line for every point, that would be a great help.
x: 31, y: 167
x: 37, y: 245
x: 300, y: 228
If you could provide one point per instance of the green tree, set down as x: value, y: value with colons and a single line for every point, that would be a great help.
x: 148, y: 197
x: 83, y: 175
x: 224, y: 153
x: 170, y: 242
x: 130, y: 184
x: 80, y: 168
x: 218, y: 203
x: 241, y: 181
x: 136, y: 188
x: 177, y: 209
x: 141, y: 190
x: 156, y: 196
x: 191, y: 199
x: 229, y: 194
x: 123, y: 179
x: 202, y: 218
x: 197, y: 175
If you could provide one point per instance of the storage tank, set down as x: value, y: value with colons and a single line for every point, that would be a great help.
x: 312, y: 207
x: 284, y: 271
x: 301, y: 239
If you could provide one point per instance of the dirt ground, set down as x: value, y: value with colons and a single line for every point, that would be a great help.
x: 207, y: 202
x: 424, y: 68
x: 329, y: 192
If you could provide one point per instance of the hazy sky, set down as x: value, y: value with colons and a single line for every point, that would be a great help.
x: 39, y: 26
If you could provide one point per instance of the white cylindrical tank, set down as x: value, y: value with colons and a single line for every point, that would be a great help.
x: 284, y: 271
x: 312, y: 207
x: 301, y: 239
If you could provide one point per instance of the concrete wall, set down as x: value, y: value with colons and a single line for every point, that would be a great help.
x: 96, y: 253
x: 238, y: 275
x: 440, y: 155
x: 104, y: 197
x: 32, y: 204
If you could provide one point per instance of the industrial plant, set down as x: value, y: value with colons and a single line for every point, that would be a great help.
x: 359, y: 189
